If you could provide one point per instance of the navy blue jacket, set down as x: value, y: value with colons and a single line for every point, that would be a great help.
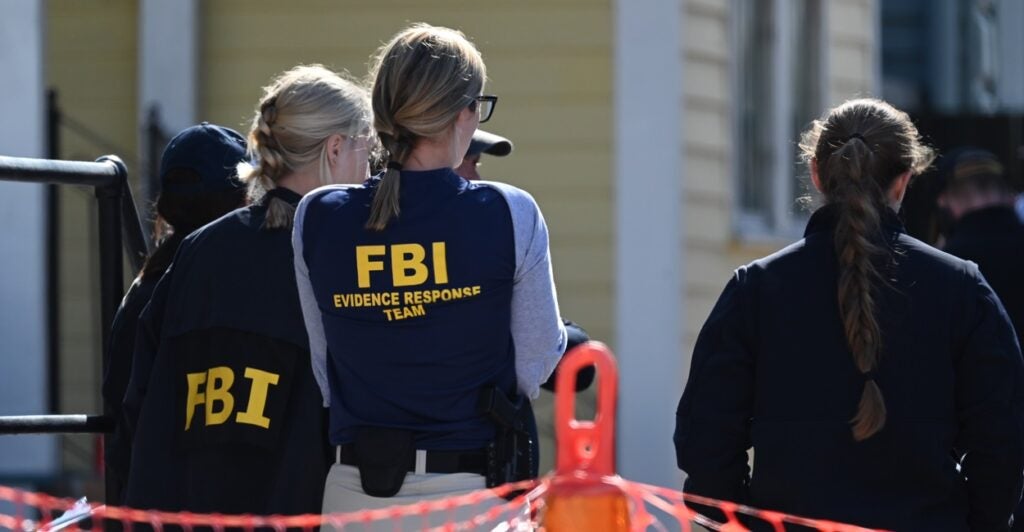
x: 226, y: 414
x: 993, y: 238
x: 418, y: 318
x: 771, y: 370
x: 117, y: 452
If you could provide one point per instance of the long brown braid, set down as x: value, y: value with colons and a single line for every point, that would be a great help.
x: 859, y: 149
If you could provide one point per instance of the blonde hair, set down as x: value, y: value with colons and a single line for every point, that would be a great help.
x: 299, y: 110
x: 422, y: 79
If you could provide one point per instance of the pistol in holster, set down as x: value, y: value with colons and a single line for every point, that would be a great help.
x: 510, y: 456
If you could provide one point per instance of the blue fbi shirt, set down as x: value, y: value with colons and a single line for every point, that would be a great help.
x: 411, y: 322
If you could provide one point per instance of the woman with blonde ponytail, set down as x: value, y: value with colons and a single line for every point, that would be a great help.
x: 229, y: 416
x: 877, y: 379
x: 422, y: 289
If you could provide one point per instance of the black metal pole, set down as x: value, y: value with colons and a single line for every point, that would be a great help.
x: 111, y: 281
x: 98, y: 174
x: 53, y: 258
x: 71, y: 424
x: 111, y: 258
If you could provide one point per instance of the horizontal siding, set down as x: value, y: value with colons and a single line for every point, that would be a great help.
x: 549, y: 61
x: 708, y: 175
x: 707, y: 127
x: 708, y: 183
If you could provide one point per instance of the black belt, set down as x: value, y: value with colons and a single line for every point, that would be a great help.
x: 428, y: 461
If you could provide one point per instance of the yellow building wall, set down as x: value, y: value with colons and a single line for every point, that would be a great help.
x: 548, y: 61
x: 91, y: 62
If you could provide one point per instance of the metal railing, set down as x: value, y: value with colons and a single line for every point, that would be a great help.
x: 119, y: 232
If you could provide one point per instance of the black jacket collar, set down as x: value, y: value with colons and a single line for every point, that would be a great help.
x: 825, y: 219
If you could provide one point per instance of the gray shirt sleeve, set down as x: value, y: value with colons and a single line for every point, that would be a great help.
x: 310, y: 310
x: 537, y: 330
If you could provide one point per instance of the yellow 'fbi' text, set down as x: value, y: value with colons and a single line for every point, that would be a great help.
x: 407, y: 268
x: 412, y: 297
x: 402, y: 313
x: 218, y: 401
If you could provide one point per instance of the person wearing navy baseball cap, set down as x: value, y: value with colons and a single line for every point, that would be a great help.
x: 199, y: 183
x: 210, y: 153
x: 483, y: 142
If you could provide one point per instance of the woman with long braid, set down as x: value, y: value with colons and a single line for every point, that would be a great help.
x: 877, y: 379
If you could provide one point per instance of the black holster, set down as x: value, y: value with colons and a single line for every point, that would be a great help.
x: 510, y: 456
x: 383, y: 456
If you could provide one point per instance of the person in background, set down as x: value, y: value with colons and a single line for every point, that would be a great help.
x: 483, y: 142
x: 542, y: 425
x: 223, y: 403
x: 987, y: 231
x: 199, y: 183
x: 877, y: 379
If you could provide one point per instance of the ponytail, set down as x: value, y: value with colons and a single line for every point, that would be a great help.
x: 298, y: 112
x: 859, y: 149
x: 158, y: 261
x: 270, y: 166
x: 422, y: 79
x: 385, y: 204
x: 860, y: 201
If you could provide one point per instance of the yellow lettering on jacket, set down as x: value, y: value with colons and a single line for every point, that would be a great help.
x: 261, y: 382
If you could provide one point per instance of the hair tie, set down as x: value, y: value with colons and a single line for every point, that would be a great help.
x: 869, y: 375
x: 394, y: 165
x: 286, y: 195
x: 269, y: 111
x: 855, y: 136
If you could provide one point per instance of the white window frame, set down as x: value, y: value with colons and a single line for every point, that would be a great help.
x: 785, y: 220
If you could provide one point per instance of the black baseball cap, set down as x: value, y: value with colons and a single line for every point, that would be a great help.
x: 489, y: 143
x: 211, y: 151
x: 970, y: 165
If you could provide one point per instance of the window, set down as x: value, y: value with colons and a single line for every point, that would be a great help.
x: 780, y: 85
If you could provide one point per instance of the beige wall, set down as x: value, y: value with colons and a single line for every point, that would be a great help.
x: 851, y: 56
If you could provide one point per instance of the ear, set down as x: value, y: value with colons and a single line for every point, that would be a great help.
x: 466, y: 115
x: 899, y: 186
x: 335, y: 143
x: 815, y: 177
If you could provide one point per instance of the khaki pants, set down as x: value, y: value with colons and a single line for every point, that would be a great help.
x: 343, y: 493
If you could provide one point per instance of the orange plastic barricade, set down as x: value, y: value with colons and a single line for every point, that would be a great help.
x: 585, y: 493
